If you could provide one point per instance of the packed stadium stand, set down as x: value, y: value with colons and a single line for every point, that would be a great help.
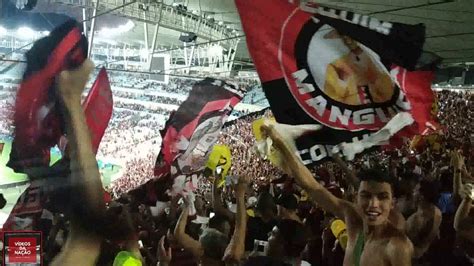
x: 405, y: 200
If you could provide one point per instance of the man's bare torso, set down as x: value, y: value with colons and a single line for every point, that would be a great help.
x: 420, y: 224
x: 375, y: 252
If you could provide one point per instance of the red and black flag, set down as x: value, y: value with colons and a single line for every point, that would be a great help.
x: 350, y: 73
x: 37, y: 116
x: 194, y: 128
x: 98, y: 107
x: 98, y: 111
x: 28, y: 207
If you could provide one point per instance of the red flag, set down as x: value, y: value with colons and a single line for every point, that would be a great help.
x: 98, y: 107
x: 417, y: 87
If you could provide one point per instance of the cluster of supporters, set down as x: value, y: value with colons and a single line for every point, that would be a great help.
x: 137, y: 171
x: 427, y: 191
x: 456, y: 115
x: 141, y: 82
x: 412, y: 205
x: 150, y: 98
x: 426, y: 177
x: 239, y: 137
x: 126, y: 131
x: 142, y: 108
x: 162, y: 99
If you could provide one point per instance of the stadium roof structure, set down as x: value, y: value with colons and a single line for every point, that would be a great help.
x: 449, y: 23
x: 450, y: 33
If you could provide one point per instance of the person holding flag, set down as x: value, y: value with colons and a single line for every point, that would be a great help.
x: 372, y: 239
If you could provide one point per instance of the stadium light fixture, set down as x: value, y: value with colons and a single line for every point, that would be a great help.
x: 108, y: 41
x: 144, y: 53
x: 26, y: 33
x: 110, y: 32
x: 215, y: 50
x: 3, y: 31
x: 106, y: 32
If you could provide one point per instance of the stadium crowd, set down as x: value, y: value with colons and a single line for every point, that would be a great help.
x: 137, y: 171
x: 142, y: 82
x: 415, y: 202
x: 126, y: 131
x: 150, y: 98
x: 165, y: 100
x: 428, y: 191
x: 142, y: 108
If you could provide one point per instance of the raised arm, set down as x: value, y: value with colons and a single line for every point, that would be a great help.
x: 186, y: 241
x: 88, y: 206
x: 57, y: 223
x: 424, y: 244
x: 457, y: 163
x: 294, y: 167
x: 164, y: 253
x: 350, y: 175
x: 236, y: 248
x: 217, y: 203
x: 84, y: 170
x: 463, y: 224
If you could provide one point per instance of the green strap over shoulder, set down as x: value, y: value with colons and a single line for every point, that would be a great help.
x: 358, y: 249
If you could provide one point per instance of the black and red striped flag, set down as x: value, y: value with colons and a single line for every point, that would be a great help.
x: 193, y: 129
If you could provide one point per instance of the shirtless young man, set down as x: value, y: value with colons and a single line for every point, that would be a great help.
x: 423, y: 225
x: 464, y: 223
x: 395, y: 216
x: 464, y: 219
x: 373, y: 240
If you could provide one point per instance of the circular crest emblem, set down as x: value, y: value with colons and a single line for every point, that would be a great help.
x: 336, y: 80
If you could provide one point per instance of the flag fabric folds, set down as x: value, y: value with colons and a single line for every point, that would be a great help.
x: 193, y: 129
x: 37, y: 117
x: 98, y: 108
x: 27, y: 208
x: 348, y: 72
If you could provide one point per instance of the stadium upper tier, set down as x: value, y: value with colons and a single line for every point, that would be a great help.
x: 135, y: 92
x: 168, y: 16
